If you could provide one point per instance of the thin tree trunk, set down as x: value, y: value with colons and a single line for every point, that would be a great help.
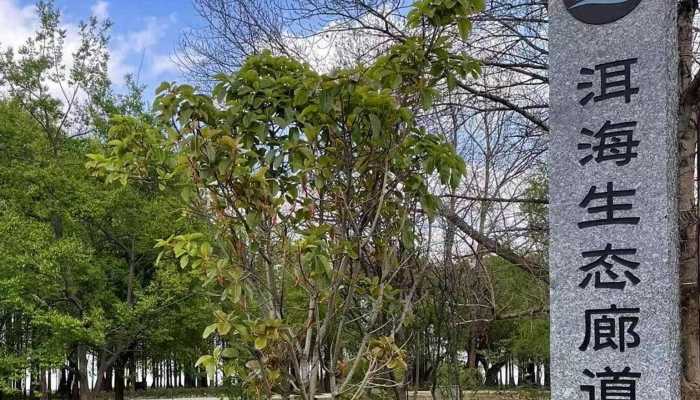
x: 83, y: 367
x: 178, y: 375
x: 144, y: 368
x: 169, y: 372
x: 492, y: 374
x: 64, y: 384
x: 154, y: 370
x: 43, y: 376
x: 132, y: 370
x: 202, y: 380
x: 75, y: 390
x: 190, y: 378
x: 109, y: 374
x: 119, y: 380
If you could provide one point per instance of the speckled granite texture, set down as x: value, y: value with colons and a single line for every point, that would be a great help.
x: 647, y: 34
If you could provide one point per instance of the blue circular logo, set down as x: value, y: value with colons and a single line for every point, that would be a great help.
x: 600, y: 12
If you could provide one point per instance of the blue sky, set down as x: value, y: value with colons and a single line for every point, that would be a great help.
x: 144, y: 35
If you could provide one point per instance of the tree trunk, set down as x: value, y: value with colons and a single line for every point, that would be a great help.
x: 109, y: 374
x: 169, y: 373
x: 104, y: 377
x: 144, y: 368
x: 471, y: 354
x: 492, y: 374
x: 531, y: 374
x: 119, y: 380
x: 43, y: 384
x: 75, y: 390
x: 202, y: 380
x: 154, y: 370
x: 132, y: 371
x: 511, y: 373
x: 63, y: 384
x: 83, y: 367
x: 190, y: 377
x: 178, y: 376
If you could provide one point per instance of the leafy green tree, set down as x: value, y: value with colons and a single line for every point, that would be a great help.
x: 78, y: 273
x: 64, y: 101
x: 103, y: 295
x: 310, y: 185
x: 520, y: 332
x: 48, y: 269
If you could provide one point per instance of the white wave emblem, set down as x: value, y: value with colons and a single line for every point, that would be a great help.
x: 582, y: 3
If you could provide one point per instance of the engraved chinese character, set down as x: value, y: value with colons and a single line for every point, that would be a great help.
x: 611, y: 328
x: 615, y: 81
x: 613, y: 385
x: 606, y: 259
x: 609, y: 208
x: 615, y: 143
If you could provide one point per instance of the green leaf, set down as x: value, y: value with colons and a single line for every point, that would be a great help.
x: 236, y: 290
x: 376, y: 124
x: 211, y: 369
x: 205, y: 249
x: 208, y: 331
x: 326, y: 101
x: 260, y: 343
x: 162, y: 87
x: 179, y: 249
x: 312, y: 132
x: 204, y: 360
x: 211, y: 152
x: 252, y: 219
x: 465, y: 26
x: 427, y: 98
x: 241, y: 329
x: 395, y: 81
x: 223, y: 328
x: 451, y: 81
x: 229, y: 353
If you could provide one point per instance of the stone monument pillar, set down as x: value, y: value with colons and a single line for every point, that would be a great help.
x: 613, y: 217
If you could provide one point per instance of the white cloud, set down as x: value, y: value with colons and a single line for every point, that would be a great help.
x: 139, y: 45
x: 132, y: 52
x: 148, y: 36
x: 164, y: 64
x: 100, y: 9
x: 18, y: 23
x: 341, y: 44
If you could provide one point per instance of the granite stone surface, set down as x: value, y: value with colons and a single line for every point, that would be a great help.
x: 651, y: 347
